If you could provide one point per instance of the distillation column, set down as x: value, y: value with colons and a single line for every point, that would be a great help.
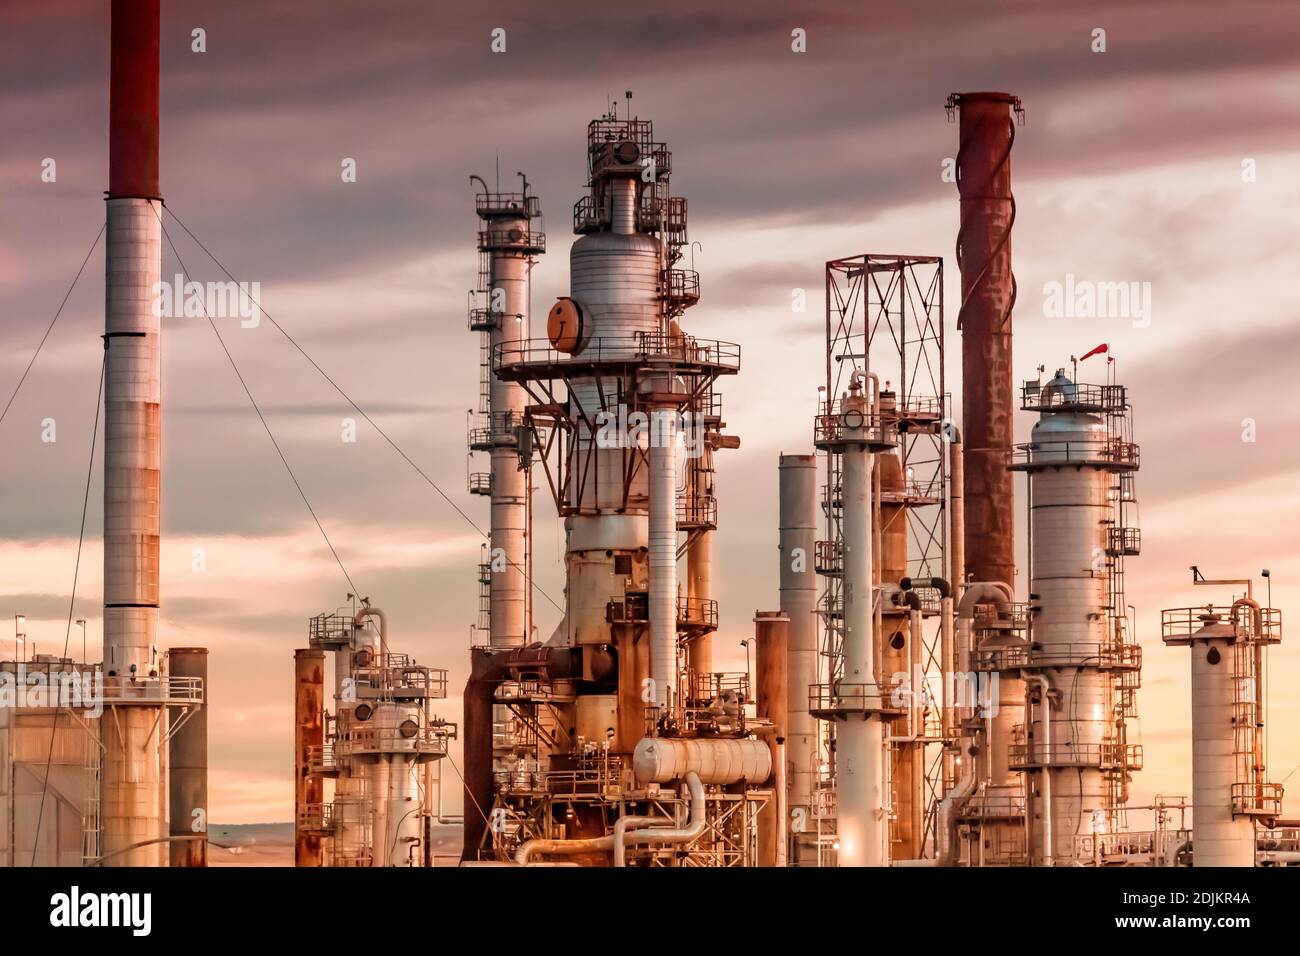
x: 132, y: 808
x: 1071, y: 741
x: 1229, y: 788
x: 509, y: 242
x: 798, y: 541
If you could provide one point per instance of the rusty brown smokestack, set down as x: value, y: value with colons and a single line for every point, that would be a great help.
x: 987, y: 130
x: 308, y: 732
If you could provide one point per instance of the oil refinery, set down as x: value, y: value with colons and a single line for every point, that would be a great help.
x: 947, y: 673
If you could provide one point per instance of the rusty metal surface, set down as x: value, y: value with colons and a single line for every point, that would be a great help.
x: 988, y: 288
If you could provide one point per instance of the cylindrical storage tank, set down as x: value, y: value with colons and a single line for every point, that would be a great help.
x: 308, y: 732
x: 717, y: 761
x: 188, y: 761
x: 1218, y: 837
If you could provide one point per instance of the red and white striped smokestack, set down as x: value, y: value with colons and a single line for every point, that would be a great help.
x: 132, y: 805
x: 988, y: 293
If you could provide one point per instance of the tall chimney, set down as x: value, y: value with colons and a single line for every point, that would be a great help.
x: 988, y: 294
x: 132, y: 808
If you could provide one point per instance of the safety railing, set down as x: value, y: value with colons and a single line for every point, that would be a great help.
x: 846, y: 698
x: 408, y: 737
x: 697, y: 511
x: 1103, y: 656
x: 330, y: 630
x: 829, y: 557
x: 317, y: 818
x: 1112, y: 453
x: 1104, y: 756
x: 1257, y: 799
x: 640, y: 347
x: 1179, y: 624
x: 483, y: 320
x: 321, y: 759
x: 507, y: 204
x: 697, y: 612
x: 479, y: 483
x: 840, y: 425
x: 512, y: 238
x: 916, y: 408
x: 994, y: 806
x: 681, y: 287
x: 1075, y: 397
x: 1124, y: 542
x: 914, y: 492
x: 170, y: 691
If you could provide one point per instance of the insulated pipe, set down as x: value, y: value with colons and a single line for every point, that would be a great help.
x: 616, y: 841
x: 308, y: 732
x: 946, y: 830
x: 694, y: 829
x: 797, y: 545
x: 621, y: 826
x: 132, y: 807
x: 623, y: 209
x: 360, y: 619
x: 188, y: 762
x: 986, y: 132
x: 663, y: 554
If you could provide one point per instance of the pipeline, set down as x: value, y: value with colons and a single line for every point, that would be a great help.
x: 685, y: 834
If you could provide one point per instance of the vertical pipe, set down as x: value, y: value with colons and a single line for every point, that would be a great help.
x: 797, y: 544
x: 860, y: 763
x: 772, y: 638
x: 477, y: 716
x: 699, y: 588
x: 308, y: 732
x: 623, y: 213
x: 188, y: 762
x: 988, y: 290
x: 957, y: 515
x: 663, y: 553
x: 132, y: 782
x: 946, y: 688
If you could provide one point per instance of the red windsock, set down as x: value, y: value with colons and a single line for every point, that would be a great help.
x: 1097, y: 351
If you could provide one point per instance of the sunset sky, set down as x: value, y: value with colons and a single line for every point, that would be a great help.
x: 1129, y: 168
